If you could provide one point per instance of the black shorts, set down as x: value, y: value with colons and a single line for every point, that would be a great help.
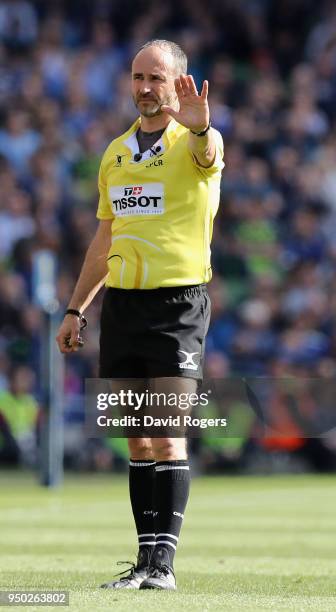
x: 154, y: 332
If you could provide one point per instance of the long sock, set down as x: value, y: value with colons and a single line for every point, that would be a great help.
x: 172, y: 483
x: 141, y: 487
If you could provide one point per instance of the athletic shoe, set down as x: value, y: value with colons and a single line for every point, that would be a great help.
x: 136, y: 574
x: 160, y: 573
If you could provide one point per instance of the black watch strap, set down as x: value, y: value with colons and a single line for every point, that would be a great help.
x: 203, y: 131
x: 76, y: 313
x: 73, y: 311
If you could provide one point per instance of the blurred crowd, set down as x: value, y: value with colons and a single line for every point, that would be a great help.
x: 65, y: 94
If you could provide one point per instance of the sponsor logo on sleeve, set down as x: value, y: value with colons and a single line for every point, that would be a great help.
x: 118, y: 160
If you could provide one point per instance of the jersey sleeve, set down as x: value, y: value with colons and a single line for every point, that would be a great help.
x: 218, y: 163
x: 104, y: 207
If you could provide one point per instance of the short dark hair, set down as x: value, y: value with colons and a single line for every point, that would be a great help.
x: 180, y: 58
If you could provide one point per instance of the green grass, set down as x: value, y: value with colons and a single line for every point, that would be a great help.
x: 248, y: 543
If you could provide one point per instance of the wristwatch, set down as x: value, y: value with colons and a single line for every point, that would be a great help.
x: 77, y: 313
x: 203, y: 132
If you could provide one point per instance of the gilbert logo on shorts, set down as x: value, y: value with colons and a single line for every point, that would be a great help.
x: 147, y: 199
x: 188, y: 363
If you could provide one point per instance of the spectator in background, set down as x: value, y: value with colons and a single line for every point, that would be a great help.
x: 18, y: 24
x: 305, y: 240
x: 19, y: 413
x: 254, y: 343
x: 18, y: 140
x: 16, y: 221
x: 9, y: 450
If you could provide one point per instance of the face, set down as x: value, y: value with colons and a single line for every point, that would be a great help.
x: 153, y: 74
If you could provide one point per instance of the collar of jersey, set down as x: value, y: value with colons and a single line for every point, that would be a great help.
x: 168, y: 138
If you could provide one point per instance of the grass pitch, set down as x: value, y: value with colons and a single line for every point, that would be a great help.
x: 248, y: 543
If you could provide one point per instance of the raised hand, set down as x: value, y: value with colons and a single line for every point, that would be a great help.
x: 194, y: 108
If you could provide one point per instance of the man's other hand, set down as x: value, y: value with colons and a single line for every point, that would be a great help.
x: 68, y: 338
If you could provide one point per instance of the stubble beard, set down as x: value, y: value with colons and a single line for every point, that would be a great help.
x: 155, y: 110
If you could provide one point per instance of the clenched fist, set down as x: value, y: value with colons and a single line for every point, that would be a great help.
x: 68, y: 338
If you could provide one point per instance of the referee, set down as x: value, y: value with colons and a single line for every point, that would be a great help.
x: 159, y: 192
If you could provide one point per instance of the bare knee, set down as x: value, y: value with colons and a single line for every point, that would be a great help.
x: 169, y: 449
x: 140, y: 448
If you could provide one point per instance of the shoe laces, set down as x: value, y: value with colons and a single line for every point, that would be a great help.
x: 130, y: 571
x: 157, y: 570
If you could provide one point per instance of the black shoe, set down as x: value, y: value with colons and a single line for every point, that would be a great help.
x: 136, y: 574
x: 160, y: 573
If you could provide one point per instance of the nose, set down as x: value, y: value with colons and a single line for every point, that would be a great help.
x: 145, y: 88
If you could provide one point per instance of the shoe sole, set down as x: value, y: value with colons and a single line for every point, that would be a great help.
x: 149, y: 587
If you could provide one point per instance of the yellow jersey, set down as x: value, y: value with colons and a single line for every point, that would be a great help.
x: 162, y: 204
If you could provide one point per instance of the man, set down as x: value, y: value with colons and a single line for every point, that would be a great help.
x: 159, y: 192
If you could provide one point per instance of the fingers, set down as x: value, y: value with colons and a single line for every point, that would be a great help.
x: 73, y: 345
x: 185, y: 86
x: 178, y: 87
x: 73, y: 341
x: 192, y: 86
x: 169, y: 110
x: 205, y: 89
x: 65, y: 344
x: 68, y: 338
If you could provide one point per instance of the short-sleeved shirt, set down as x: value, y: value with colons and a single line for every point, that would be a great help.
x: 162, y: 204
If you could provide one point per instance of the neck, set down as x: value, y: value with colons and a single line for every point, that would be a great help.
x: 153, y: 124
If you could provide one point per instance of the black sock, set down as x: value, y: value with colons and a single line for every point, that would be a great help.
x: 172, y: 483
x: 141, y: 487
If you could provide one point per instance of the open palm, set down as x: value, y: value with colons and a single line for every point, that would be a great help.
x: 194, y: 108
